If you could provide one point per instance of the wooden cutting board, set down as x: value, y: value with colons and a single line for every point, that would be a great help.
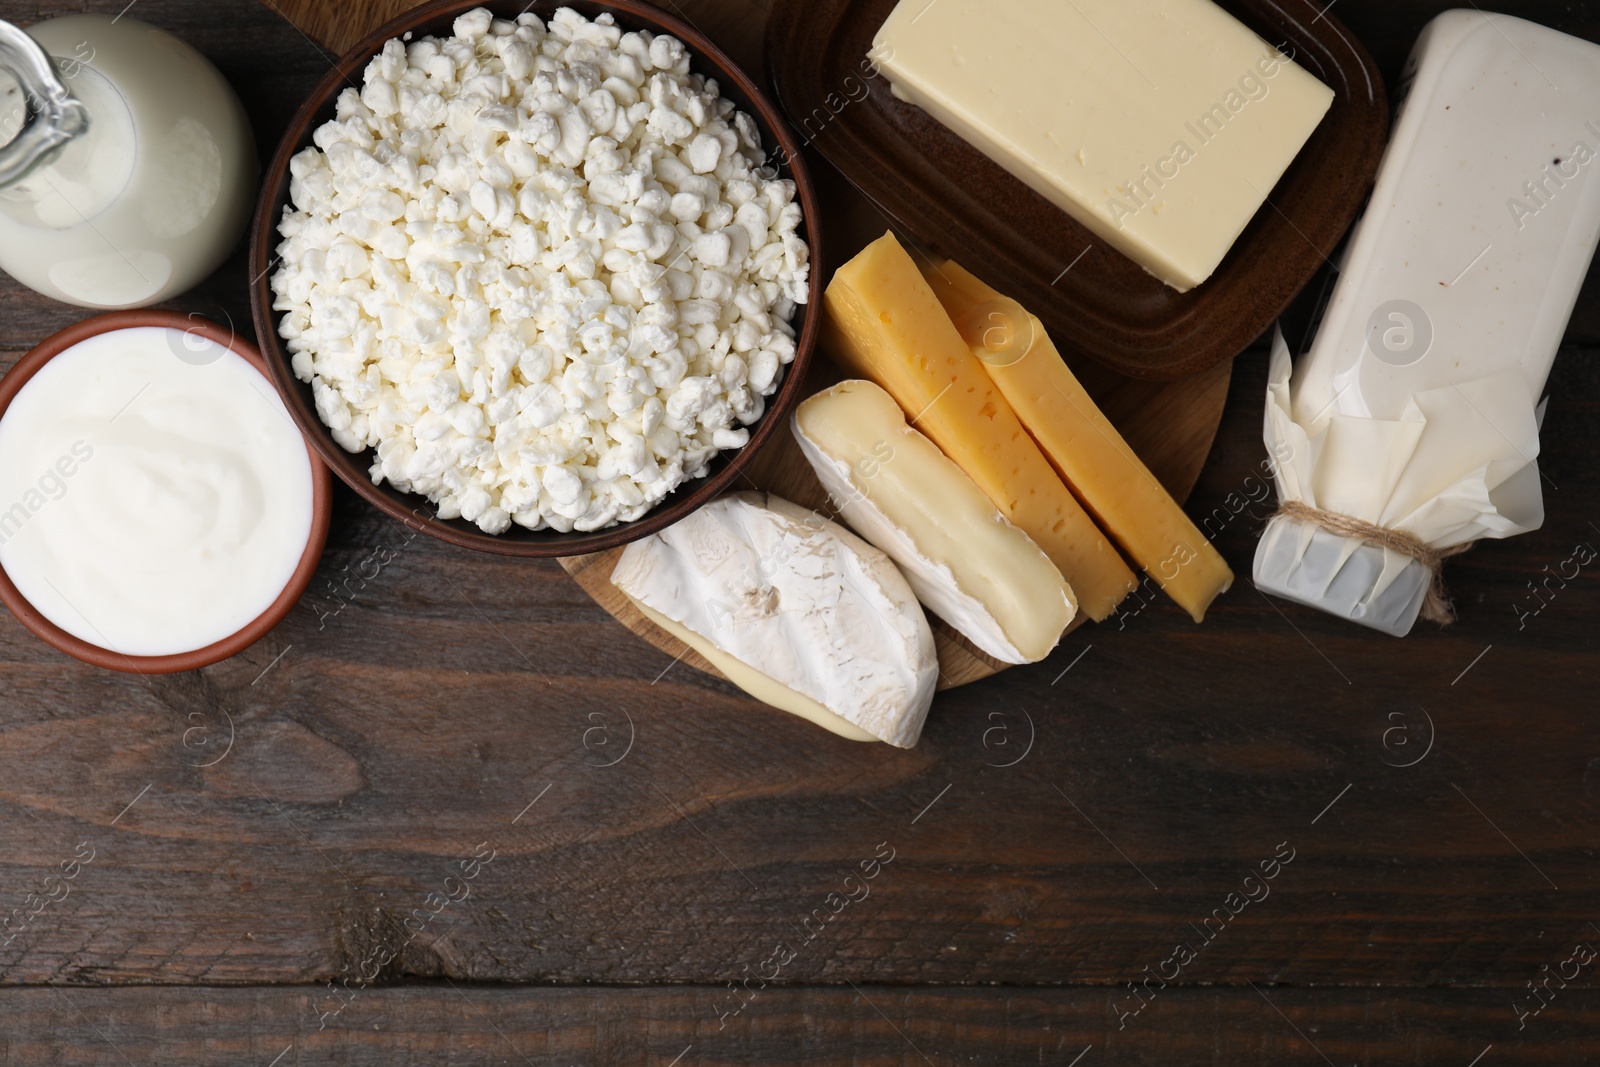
x: 1170, y: 425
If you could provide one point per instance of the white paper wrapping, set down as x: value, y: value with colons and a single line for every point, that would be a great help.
x: 1458, y: 465
x: 1416, y: 408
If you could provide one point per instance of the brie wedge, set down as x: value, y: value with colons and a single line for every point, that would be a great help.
x: 964, y: 559
x: 821, y: 623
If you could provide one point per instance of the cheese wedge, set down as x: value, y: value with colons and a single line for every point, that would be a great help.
x: 882, y: 322
x: 755, y: 683
x: 796, y: 610
x: 1088, y: 452
x: 964, y: 560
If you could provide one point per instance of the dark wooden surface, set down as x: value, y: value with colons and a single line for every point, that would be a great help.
x: 260, y: 830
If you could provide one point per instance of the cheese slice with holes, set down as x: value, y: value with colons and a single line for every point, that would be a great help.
x: 965, y: 561
x: 798, y: 611
x: 882, y: 322
x: 1086, y: 450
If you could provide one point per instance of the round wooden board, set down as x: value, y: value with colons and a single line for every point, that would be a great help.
x: 1169, y: 424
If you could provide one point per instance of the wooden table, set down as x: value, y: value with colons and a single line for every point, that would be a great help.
x: 641, y: 839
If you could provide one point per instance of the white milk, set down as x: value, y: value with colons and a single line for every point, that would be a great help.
x: 154, y: 196
x: 155, y: 496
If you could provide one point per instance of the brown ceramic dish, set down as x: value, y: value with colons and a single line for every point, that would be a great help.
x: 949, y: 195
x: 435, y: 19
x: 322, y: 508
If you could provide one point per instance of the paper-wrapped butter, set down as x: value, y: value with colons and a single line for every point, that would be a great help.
x: 1416, y: 409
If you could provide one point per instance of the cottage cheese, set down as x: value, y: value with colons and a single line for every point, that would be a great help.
x: 536, y: 267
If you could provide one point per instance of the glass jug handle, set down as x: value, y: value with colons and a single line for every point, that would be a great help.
x: 52, y: 116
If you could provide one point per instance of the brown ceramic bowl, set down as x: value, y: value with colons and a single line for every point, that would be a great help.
x: 322, y: 507
x: 435, y: 19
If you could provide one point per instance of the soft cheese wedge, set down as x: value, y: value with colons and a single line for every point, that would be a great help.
x: 882, y: 322
x: 964, y: 560
x: 1088, y: 452
x: 796, y: 610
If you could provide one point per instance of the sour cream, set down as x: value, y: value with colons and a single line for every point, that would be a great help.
x: 155, y: 496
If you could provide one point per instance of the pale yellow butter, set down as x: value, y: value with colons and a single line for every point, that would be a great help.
x: 1161, y: 125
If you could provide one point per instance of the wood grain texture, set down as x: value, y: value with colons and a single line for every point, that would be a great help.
x: 442, y: 1025
x: 407, y: 712
x: 276, y: 818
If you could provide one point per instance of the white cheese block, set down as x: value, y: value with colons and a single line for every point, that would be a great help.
x: 1418, y: 405
x: 1160, y: 125
x: 966, y: 562
x: 755, y: 683
x: 825, y: 625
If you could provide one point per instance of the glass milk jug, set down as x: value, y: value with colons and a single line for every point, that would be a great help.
x: 127, y: 166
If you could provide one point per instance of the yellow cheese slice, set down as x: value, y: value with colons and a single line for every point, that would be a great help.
x: 1091, y: 456
x: 757, y: 684
x: 883, y: 322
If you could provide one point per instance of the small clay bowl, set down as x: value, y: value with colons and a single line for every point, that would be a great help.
x: 321, y: 507
x: 436, y: 19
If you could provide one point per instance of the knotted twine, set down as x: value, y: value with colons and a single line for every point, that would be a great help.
x: 1436, y: 606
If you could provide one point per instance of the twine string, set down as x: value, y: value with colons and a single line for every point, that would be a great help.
x: 1436, y: 606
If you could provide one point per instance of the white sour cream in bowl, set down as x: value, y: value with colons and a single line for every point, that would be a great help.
x: 157, y: 502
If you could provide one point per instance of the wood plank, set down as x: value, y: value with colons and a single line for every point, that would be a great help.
x: 420, y: 698
x: 679, y: 1027
x: 418, y: 709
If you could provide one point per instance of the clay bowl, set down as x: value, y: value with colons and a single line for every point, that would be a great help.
x: 322, y: 508
x: 435, y: 19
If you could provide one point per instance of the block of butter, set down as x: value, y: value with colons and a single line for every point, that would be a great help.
x: 1160, y: 125
x: 1417, y: 408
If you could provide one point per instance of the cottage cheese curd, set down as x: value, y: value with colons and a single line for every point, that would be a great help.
x: 537, y: 268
